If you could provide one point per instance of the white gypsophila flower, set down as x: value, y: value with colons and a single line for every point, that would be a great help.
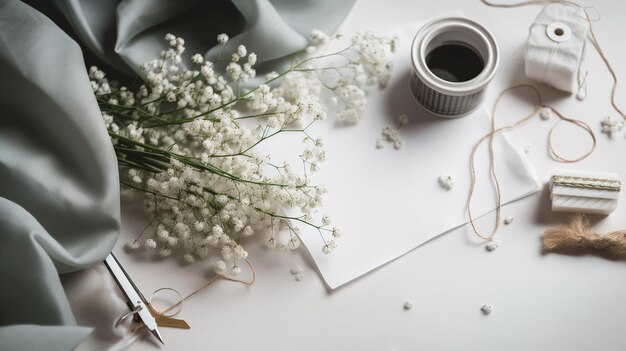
x: 492, y: 245
x: 271, y: 76
x: 545, y: 113
x: 391, y: 135
x: 329, y: 247
x: 170, y: 96
x: 197, y: 59
x: 403, y: 119
x: 297, y: 272
x: 165, y: 252
x: 367, y: 63
x: 252, y: 58
x: 611, y: 125
x: 242, y: 51
x: 189, y: 258
x: 248, y: 231
x: 326, y: 219
x: 162, y: 234
x: 373, y: 56
x: 222, y: 39
x: 446, y: 181
x: 354, y: 101
x: 150, y: 243
x: 508, y: 220
x: 270, y: 242
x: 293, y: 243
x: 133, y: 244
x: 318, y: 37
x: 227, y: 253
x: 180, y: 140
x: 234, y: 70
x: 172, y: 241
x: 336, y: 231
x: 219, y: 267
x: 299, y: 85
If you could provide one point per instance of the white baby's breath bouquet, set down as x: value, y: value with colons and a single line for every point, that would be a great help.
x: 188, y: 139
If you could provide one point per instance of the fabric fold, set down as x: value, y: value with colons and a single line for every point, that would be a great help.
x: 59, y: 189
x: 35, y: 337
x: 126, y: 33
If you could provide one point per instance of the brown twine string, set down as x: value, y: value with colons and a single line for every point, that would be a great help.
x: 205, y: 285
x: 577, y: 238
x: 490, y: 137
x: 562, y: 117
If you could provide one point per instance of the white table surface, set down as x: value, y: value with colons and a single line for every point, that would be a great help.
x: 540, y: 302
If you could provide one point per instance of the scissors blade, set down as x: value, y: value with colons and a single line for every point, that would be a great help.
x: 133, y: 295
x: 156, y: 333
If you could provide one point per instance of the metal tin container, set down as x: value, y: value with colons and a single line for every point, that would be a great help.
x: 448, y: 97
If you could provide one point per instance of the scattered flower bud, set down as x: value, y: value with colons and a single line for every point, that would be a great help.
x: 403, y: 119
x: 446, y: 181
x: 611, y: 125
x: 508, y: 220
x: 545, y: 113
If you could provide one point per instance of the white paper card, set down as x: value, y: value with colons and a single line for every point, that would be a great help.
x: 388, y: 201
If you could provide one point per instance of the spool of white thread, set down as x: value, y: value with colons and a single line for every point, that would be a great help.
x: 556, y: 47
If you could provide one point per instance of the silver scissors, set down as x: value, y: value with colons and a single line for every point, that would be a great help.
x: 135, y: 299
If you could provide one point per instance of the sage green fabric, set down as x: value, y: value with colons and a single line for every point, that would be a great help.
x: 36, y: 337
x: 59, y: 192
x: 125, y: 34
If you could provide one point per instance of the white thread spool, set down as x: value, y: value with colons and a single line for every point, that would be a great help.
x: 463, y: 93
x: 555, y: 48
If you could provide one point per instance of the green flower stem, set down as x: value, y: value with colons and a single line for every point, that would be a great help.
x: 193, y: 162
x: 260, y: 115
x: 116, y: 110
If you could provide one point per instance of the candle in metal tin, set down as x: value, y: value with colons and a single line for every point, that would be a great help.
x: 454, y: 59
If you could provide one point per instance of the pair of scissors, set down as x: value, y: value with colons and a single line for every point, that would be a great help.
x: 137, y: 302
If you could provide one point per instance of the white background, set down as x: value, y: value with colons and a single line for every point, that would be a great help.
x: 540, y: 302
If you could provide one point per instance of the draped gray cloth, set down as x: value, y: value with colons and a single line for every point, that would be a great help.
x: 124, y: 34
x: 59, y: 192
